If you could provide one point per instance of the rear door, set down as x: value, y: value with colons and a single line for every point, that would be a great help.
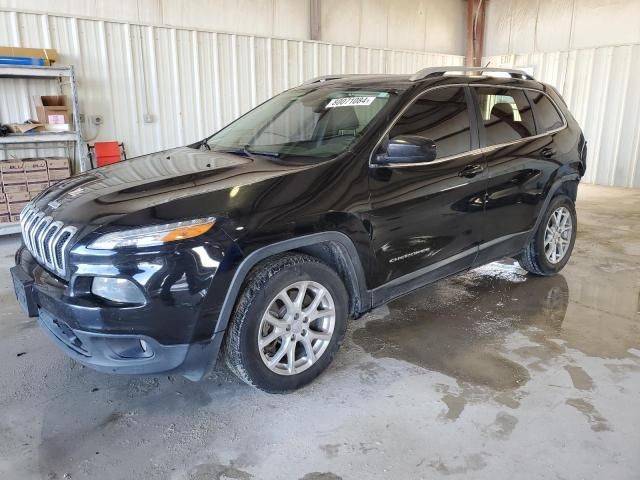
x: 520, y: 160
x: 426, y: 217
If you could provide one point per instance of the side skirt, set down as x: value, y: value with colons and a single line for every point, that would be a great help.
x: 407, y: 283
x: 485, y: 253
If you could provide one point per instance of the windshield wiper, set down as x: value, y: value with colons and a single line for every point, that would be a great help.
x: 249, y: 151
x: 236, y: 151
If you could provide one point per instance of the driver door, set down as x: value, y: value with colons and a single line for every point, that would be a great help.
x: 426, y: 217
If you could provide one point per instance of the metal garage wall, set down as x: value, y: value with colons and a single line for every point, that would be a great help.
x: 423, y: 25
x: 191, y: 82
x: 590, y: 50
x: 517, y: 26
x: 600, y: 85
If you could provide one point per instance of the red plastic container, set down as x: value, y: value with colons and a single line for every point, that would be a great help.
x: 106, y: 153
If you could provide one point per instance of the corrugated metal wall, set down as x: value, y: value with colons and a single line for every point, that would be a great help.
x: 191, y: 82
x: 524, y: 26
x: 602, y: 89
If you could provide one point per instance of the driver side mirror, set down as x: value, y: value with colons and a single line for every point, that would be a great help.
x: 408, y: 149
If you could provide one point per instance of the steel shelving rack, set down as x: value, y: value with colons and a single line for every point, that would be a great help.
x: 26, y: 141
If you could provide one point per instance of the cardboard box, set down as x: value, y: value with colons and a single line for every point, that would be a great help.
x: 12, y: 166
x: 13, y: 178
x: 49, y: 55
x: 53, y: 109
x: 17, y: 197
x: 36, y: 171
x: 37, y: 187
x: 16, y: 208
x: 26, y: 128
x: 13, y: 184
x: 58, y: 163
x: 34, y: 165
x: 59, y: 168
x: 56, y: 175
x: 15, y: 204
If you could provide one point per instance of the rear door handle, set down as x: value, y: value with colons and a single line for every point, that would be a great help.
x: 548, y: 152
x: 471, y: 170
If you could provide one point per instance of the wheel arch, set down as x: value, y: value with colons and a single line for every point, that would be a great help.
x: 565, y: 185
x: 334, y: 248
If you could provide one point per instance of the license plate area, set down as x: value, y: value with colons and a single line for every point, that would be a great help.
x: 23, y: 287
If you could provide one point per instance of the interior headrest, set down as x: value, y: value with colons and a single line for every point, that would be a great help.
x: 340, y: 118
x: 501, y: 109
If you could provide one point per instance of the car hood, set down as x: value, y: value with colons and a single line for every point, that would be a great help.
x: 106, y: 194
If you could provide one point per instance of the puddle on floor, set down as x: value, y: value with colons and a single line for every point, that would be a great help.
x: 459, y: 326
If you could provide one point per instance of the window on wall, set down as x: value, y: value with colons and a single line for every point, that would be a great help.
x: 506, y: 115
x: 545, y: 112
x: 441, y: 115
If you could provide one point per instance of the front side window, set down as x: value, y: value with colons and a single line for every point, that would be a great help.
x: 440, y: 115
x: 316, y: 123
x: 506, y: 115
x: 547, y: 116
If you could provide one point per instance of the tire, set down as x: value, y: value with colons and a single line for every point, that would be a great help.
x: 537, y: 257
x: 262, y: 293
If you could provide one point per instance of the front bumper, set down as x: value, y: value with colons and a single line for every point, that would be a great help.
x: 115, y: 353
x: 172, y: 333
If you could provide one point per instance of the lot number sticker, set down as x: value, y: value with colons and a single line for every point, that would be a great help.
x: 350, y: 102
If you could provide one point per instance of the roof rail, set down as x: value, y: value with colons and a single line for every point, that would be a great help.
x: 441, y: 71
x: 324, y: 78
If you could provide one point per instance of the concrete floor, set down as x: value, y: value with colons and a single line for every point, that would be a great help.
x: 491, y: 374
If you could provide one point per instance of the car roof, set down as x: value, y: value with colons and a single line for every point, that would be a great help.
x: 362, y: 80
x: 432, y: 76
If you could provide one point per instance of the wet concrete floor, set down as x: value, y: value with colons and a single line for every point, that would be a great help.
x: 489, y: 374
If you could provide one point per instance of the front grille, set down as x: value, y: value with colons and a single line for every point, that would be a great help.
x: 45, y: 239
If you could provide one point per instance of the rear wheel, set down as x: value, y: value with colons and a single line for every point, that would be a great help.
x: 551, y: 246
x: 288, y: 323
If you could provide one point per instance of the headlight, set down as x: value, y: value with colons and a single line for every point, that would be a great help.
x: 155, y: 235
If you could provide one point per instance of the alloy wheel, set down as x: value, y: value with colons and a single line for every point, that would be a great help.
x: 296, y: 328
x: 557, y: 235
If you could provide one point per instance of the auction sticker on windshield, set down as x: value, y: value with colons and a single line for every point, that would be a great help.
x: 350, y: 102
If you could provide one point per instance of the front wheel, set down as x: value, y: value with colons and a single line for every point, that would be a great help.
x: 550, y: 248
x: 288, y: 323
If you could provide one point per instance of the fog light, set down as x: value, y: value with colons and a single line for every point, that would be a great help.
x: 130, y: 348
x: 118, y: 290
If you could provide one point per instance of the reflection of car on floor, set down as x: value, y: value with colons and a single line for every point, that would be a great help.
x: 459, y: 328
x: 539, y: 299
x: 322, y: 203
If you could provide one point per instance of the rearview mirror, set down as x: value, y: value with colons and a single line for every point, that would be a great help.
x: 409, y: 149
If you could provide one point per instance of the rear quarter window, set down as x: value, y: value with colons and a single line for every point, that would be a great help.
x: 545, y: 112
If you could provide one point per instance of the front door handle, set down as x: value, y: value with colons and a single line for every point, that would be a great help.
x: 548, y: 152
x: 471, y: 170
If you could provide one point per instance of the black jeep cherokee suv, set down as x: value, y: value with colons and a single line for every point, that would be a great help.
x: 322, y: 203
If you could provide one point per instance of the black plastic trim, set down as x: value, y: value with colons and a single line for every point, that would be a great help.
x: 434, y: 272
x: 352, y: 262
x: 552, y: 190
x: 419, y: 278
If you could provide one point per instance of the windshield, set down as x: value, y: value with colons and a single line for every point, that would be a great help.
x: 318, y: 123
